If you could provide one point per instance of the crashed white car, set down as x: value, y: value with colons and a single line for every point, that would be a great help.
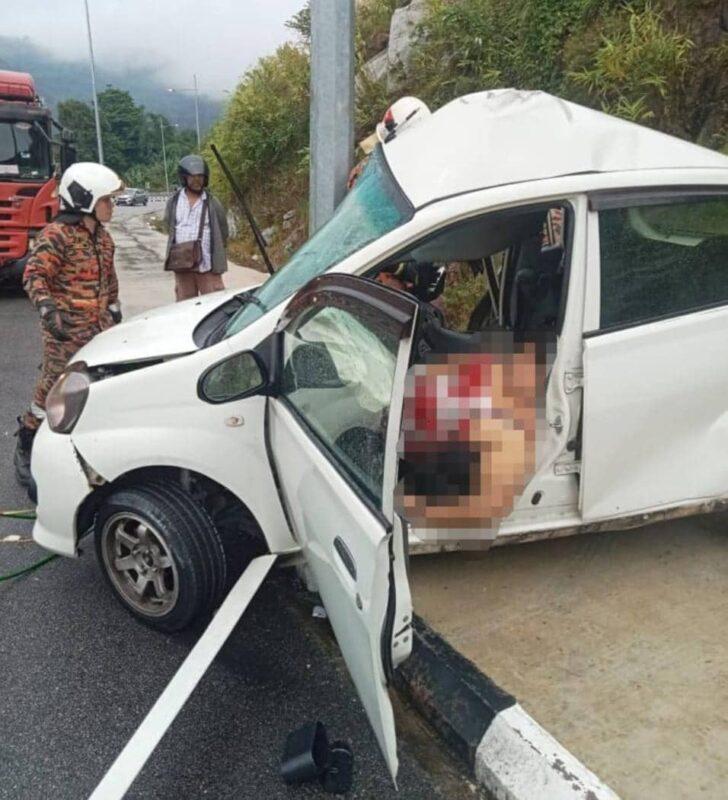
x: 175, y: 433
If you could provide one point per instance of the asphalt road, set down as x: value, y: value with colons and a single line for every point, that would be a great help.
x: 77, y: 673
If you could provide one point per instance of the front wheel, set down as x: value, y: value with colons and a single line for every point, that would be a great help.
x: 161, y: 553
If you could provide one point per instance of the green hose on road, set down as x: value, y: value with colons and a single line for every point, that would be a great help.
x: 32, y: 567
x: 24, y: 514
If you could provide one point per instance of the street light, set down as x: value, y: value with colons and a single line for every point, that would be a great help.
x: 164, y: 152
x: 99, y: 143
x: 197, y: 106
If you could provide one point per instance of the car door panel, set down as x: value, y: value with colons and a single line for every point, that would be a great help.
x: 655, y: 422
x: 319, y: 498
x: 334, y: 419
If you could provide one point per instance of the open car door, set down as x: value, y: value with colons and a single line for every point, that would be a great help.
x: 342, y: 352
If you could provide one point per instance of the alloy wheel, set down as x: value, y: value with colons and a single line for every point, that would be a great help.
x: 140, y: 564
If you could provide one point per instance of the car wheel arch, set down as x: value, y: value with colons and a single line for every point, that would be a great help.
x: 225, y: 506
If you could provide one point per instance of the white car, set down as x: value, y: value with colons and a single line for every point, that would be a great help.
x: 276, y: 413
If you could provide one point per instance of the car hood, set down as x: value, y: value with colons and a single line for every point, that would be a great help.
x: 160, y: 332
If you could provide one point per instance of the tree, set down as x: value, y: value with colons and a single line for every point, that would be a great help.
x: 131, y: 136
x: 301, y: 22
x: 79, y: 117
x: 121, y: 127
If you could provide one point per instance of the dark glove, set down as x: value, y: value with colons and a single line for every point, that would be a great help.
x: 52, y: 321
x: 115, y: 311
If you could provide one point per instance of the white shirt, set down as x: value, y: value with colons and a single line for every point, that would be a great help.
x: 187, y: 226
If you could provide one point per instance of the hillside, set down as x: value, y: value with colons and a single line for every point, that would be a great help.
x: 662, y: 63
x: 62, y: 80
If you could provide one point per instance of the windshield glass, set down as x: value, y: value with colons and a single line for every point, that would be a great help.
x: 23, y: 151
x: 372, y: 208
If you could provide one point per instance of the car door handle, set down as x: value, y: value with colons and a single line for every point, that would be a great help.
x: 346, y: 556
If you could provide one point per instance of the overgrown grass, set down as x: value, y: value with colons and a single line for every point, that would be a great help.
x: 265, y: 126
x: 639, y: 68
x: 658, y: 62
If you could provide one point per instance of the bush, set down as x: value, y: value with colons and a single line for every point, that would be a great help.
x: 265, y: 126
x: 654, y: 61
x: 639, y: 68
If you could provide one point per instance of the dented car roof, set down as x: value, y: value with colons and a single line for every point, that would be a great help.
x: 507, y: 136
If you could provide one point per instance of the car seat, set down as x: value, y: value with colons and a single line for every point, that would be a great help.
x: 536, y: 288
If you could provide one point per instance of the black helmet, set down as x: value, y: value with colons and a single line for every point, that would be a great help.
x: 192, y: 165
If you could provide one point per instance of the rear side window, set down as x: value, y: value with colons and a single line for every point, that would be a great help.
x: 662, y: 260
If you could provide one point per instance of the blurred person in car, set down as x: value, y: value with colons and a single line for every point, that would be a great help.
x: 470, y: 430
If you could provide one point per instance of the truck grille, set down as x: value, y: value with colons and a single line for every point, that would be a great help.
x: 12, y: 245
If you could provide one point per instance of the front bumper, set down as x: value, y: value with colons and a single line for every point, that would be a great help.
x: 62, y: 487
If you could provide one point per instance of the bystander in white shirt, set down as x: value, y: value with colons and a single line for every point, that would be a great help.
x: 187, y: 226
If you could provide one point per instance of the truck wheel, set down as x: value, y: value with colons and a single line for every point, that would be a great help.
x: 161, y: 553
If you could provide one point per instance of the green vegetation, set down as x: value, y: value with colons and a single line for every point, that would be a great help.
x: 131, y: 135
x: 662, y: 63
x: 265, y: 126
x: 657, y: 62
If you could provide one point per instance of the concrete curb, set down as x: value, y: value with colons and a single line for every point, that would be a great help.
x: 510, y: 754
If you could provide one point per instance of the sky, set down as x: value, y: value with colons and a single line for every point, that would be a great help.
x: 215, y: 39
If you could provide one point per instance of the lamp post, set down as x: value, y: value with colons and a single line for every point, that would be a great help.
x: 164, y: 156
x: 99, y: 143
x: 164, y: 151
x: 197, y: 112
x: 197, y: 106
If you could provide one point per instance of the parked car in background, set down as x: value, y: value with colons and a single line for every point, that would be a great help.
x: 132, y: 197
x: 276, y: 412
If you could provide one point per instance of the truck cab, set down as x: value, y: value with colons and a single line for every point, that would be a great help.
x: 30, y: 161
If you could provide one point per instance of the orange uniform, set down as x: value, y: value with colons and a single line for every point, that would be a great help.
x: 74, y: 269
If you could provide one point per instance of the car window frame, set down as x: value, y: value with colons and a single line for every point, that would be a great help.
x: 407, y: 319
x: 565, y: 202
x: 612, y: 200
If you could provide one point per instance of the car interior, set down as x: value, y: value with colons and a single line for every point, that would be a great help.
x: 504, y: 270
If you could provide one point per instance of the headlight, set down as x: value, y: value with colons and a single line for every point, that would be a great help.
x: 67, y: 398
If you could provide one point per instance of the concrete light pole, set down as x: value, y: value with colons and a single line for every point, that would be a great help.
x: 332, y: 106
x: 197, y: 112
x: 164, y: 156
x: 197, y: 107
x: 99, y: 143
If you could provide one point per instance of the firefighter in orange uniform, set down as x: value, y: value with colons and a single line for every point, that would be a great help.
x: 70, y: 279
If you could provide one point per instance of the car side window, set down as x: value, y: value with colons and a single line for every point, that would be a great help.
x: 338, y: 375
x: 662, y: 260
x: 504, y: 268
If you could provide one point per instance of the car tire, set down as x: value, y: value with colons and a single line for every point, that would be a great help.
x: 161, y: 553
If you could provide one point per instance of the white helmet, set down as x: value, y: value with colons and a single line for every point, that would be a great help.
x: 405, y: 111
x: 84, y: 184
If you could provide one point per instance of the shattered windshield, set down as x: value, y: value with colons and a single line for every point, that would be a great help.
x: 24, y: 152
x: 372, y: 208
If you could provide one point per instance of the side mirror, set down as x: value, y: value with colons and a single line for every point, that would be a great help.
x: 236, y: 377
x: 68, y: 156
x: 67, y: 136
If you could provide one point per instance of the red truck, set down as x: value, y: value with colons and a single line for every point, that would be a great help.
x: 31, y: 160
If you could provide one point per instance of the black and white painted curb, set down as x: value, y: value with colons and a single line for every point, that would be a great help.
x: 511, y: 755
